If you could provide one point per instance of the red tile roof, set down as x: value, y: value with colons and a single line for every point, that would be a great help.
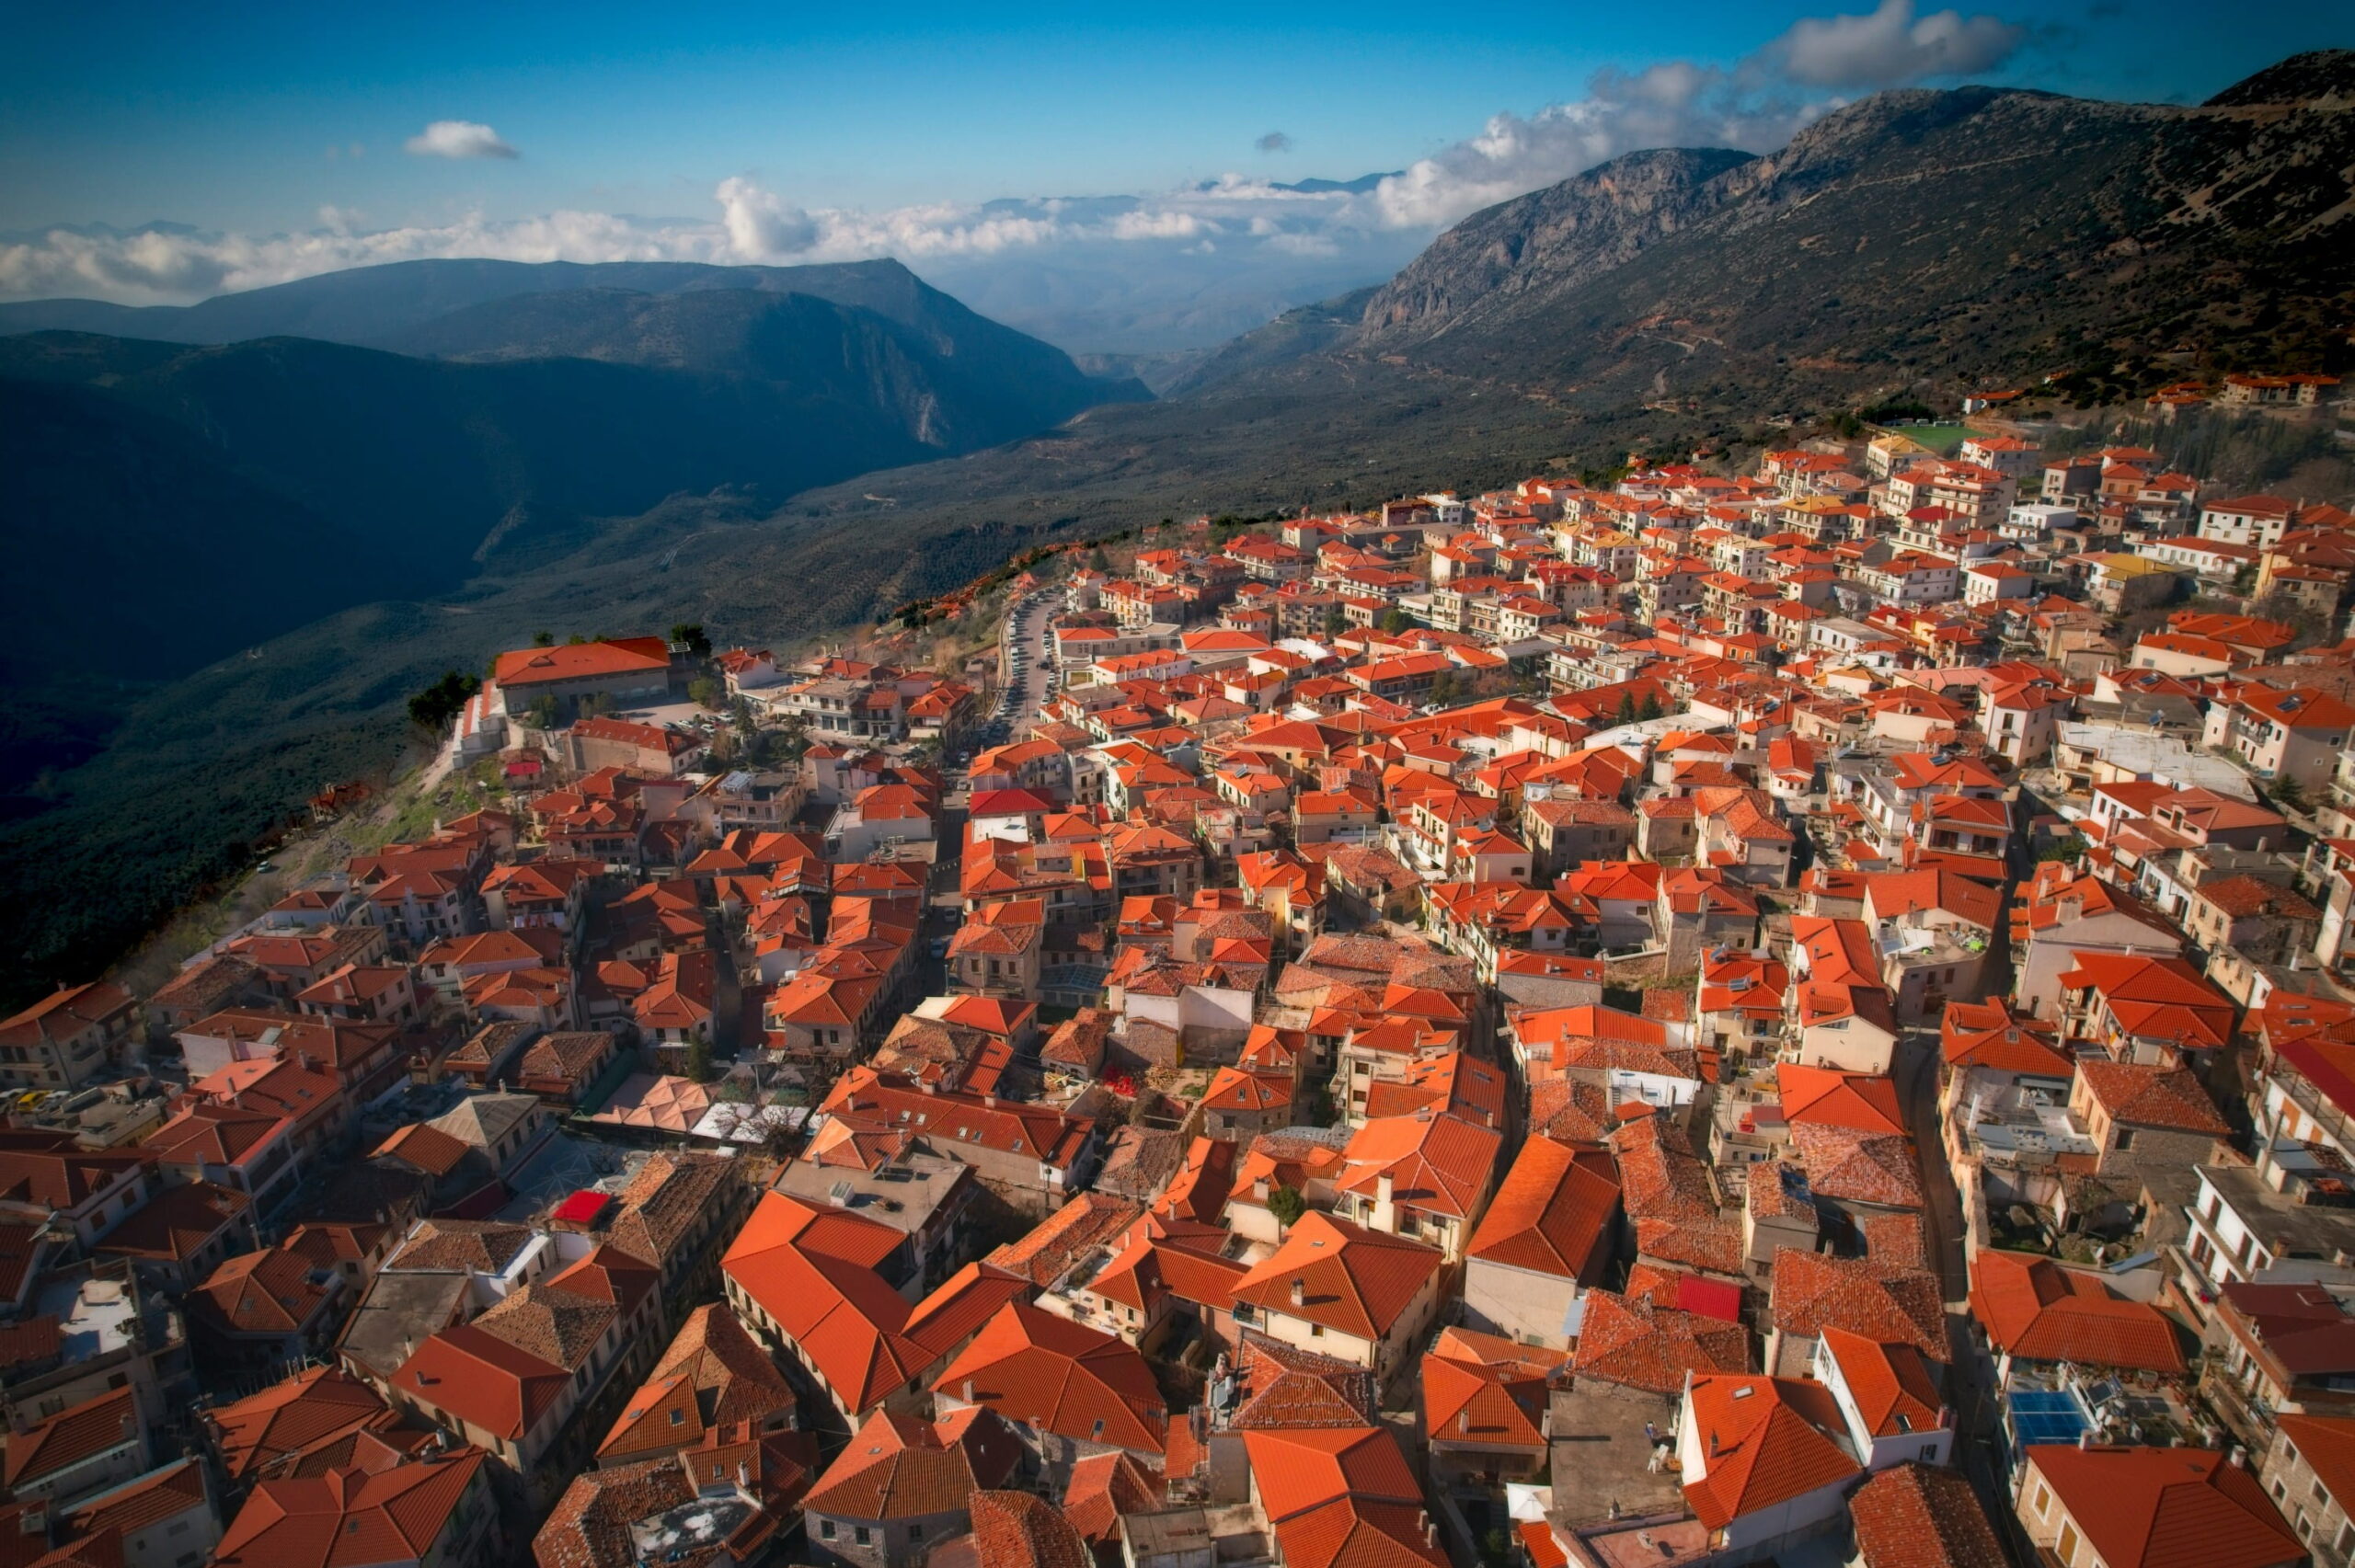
x: 1918, y: 1516
x: 2038, y: 1311
x: 2156, y: 998
x: 1628, y: 1340
x: 812, y: 1267
x: 1812, y: 1291
x: 349, y: 1516
x: 78, y: 1432
x: 1893, y: 1385
x: 1358, y: 1281
x: 1019, y: 1530
x: 1553, y: 1213
x: 1053, y: 1375
x: 2151, y: 1096
x: 1340, y: 1497
x: 1764, y: 1441
x: 582, y: 662
x: 1484, y: 1390
x: 1991, y: 1035
x: 482, y: 1379
x: 1864, y: 1100
x: 897, y: 1467
x: 2167, y: 1507
x: 262, y: 1432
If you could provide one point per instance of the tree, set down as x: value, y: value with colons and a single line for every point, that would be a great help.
x: 1394, y: 622
x: 1627, y: 707
x: 1286, y: 1203
x: 543, y: 639
x: 691, y: 633
x: 1650, y: 708
x: 541, y: 715
x: 433, y: 709
x: 1336, y: 620
x: 2288, y: 792
x: 706, y: 693
x: 698, y: 1059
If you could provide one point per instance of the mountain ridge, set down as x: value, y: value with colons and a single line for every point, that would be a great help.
x: 512, y: 427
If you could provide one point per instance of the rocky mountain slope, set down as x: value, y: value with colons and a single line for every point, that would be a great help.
x: 1915, y: 238
x: 1513, y: 258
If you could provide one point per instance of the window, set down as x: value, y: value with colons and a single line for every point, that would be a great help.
x: 915, y: 1532
x: 861, y: 1533
x: 825, y: 1530
x: 2317, y: 1493
x: 2043, y: 1501
x: 2280, y: 1491
x: 2067, y: 1550
x: 1316, y: 1331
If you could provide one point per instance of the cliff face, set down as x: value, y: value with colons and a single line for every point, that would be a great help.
x: 1519, y: 253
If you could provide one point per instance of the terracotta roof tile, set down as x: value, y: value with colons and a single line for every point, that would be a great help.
x: 1813, y: 1291
x: 2167, y: 1507
x: 1767, y: 1441
x: 350, y: 1515
x: 1630, y: 1340
x: 1918, y: 1516
x: 2038, y: 1311
x: 1052, y: 1374
x: 1553, y: 1212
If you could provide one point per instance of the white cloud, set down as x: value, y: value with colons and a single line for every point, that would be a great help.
x: 1891, y: 47
x: 1674, y: 105
x: 761, y: 226
x: 1756, y: 106
x: 1269, y: 244
x: 459, y: 139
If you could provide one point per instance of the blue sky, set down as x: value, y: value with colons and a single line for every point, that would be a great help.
x: 292, y: 141
x: 223, y: 117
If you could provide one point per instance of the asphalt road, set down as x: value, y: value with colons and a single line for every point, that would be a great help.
x: 1026, y: 688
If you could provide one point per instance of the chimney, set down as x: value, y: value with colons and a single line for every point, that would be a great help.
x: 2084, y: 1442
x: 2239, y: 1456
x: 968, y: 1391
x: 1299, y: 1292
x: 1383, y: 1188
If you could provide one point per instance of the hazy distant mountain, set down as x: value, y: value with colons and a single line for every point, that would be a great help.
x: 517, y: 417
x: 1357, y: 186
x: 383, y: 307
